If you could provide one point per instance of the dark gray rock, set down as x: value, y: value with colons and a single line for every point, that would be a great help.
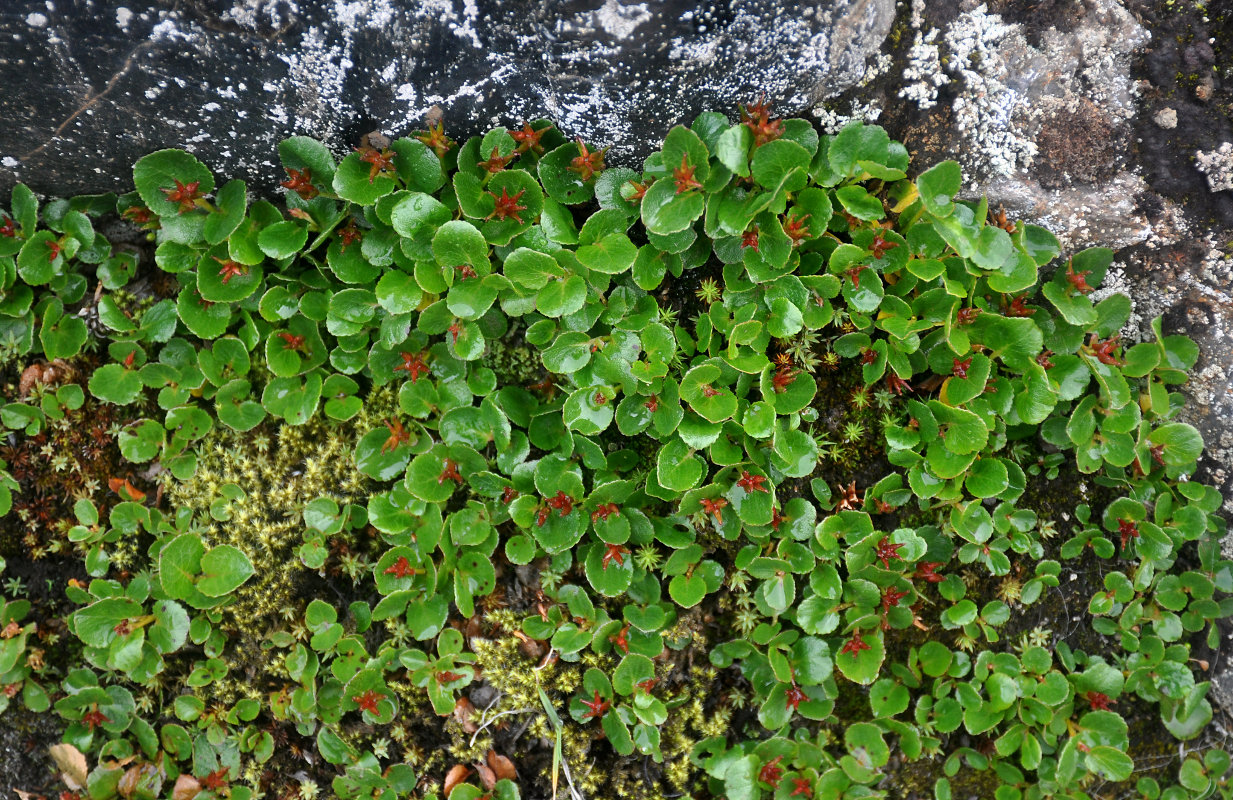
x: 95, y: 84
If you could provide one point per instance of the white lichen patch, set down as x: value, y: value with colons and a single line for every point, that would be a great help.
x: 1217, y: 165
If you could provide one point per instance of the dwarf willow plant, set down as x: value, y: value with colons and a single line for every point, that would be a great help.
x: 557, y: 406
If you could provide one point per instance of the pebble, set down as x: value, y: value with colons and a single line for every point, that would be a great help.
x: 1166, y: 118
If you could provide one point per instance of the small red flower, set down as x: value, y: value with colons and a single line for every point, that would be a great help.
x: 869, y: 355
x: 368, y: 701
x: 598, y: 706
x: 801, y: 788
x: 885, y: 551
x: 796, y: 229
x: 400, y: 568
x: 455, y: 328
x: 715, y: 507
x: 620, y: 639
x: 750, y: 238
x: 967, y: 315
x: 752, y: 483
x: 1077, y: 280
x: 508, y: 494
x: 960, y: 368
x: 855, y: 273
x: 684, y: 176
x: 186, y: 194
x: 1129, y: 529
x: 855, y: 645
x: 771, y: 773
x: 1103, y: 350
x: 897, y: 385
x: 348, y: 234
x: 437, y: 140
x: 9, y: 228
x: 1043, y: 359
x: 449, y: 472
x: 782, y: 379
x: 128, y: 359
x: 587, y: 164
x: 605, y: 510
x: 639, y: 191
x: 529, y: 138
x: 563, y: 503
x: 496, y: 162
x: 652, y: 404
x: 379, y: 161
x: 138, y: 215
x: 541, y: 515
x: 891, y: 597
x: 53, y: 251
x: 1098, y: 701
x: 710, y: 391
x: 617, y: 553
x: 215, y: 780
x: 507, y: 206
x: 292, y: 341
x: 647, y: 685
x: 300, y: 182
x: 93, y: 718
x: 756, y: 117
x: 1017, y: 309
x: 925, y: 571
x: 398, y: 436
x: 879, y: 246
x: 230, y: 269
x: 413, y: 364
x: 794, y: 697
x: 778, y: 519
x: 600, y: 399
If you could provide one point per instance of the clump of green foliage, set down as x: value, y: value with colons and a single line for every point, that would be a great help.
x: 718, y: 473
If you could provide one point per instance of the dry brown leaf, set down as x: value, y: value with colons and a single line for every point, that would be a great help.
x: 187, y: 787
x: 463, y: 711
x: 457, y: 774
x: 126, y: 490
x: 72, y: 765
x: 27, y: 795
x: 502, y: 766
x: 487, y: 776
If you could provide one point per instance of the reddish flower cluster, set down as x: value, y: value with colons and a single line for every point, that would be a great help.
x: 186, y: 194
x: 752, y: 483
x: 398, y: 436
x: 879, y: 246
x: 684, y: 176
x: 368, y: 701
x: 756, y: 117
x: 715, y: 507
x: 230, y: 269
x: 495, y: 161
x: 1129, y: 529
x: 960, y: 368
x: 401, y: 568
x: 413, y: 364
x: 587, y: 164
x: 782, y: 379
x: 967, y: 315
x: 796, y: 229
x: 891, y: 597
x: 794, y: 697
x: 1077, y: 280
x: 292, y: 341
x: 605, y: 510
x: 449, y: 472
x: 925, y: 571
x: 617, y: 553
x: 885, y: 551
x: 771, y: 773
x: 529, y: 139
x: 1099, y: 701
x: 750, y: 238
x: 855, y: 645
x: 597, y: 706
x: 300, y: 182
x: 436, y: 139
x: 507, y: 206
x: 1103, y: 350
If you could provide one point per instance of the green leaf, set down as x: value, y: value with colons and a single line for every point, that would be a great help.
x: 223, y: 569
x: 282, y: 239
x: 560, y: 182
x: 115, y: 383
x: 665, y: 212
x: 459, y: 242
x: 938, y: 185
x: 232, y: 202
x: 160, y: 170
x: 353, y: 181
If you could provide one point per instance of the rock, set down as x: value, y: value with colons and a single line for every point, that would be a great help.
x: 1217, y: 165
x: 89, y: 93
x: 1166, y: 118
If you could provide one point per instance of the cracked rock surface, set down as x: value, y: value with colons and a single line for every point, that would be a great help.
x: 96, y: 84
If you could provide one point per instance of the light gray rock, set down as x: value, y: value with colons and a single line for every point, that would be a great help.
x: 92, y: 86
